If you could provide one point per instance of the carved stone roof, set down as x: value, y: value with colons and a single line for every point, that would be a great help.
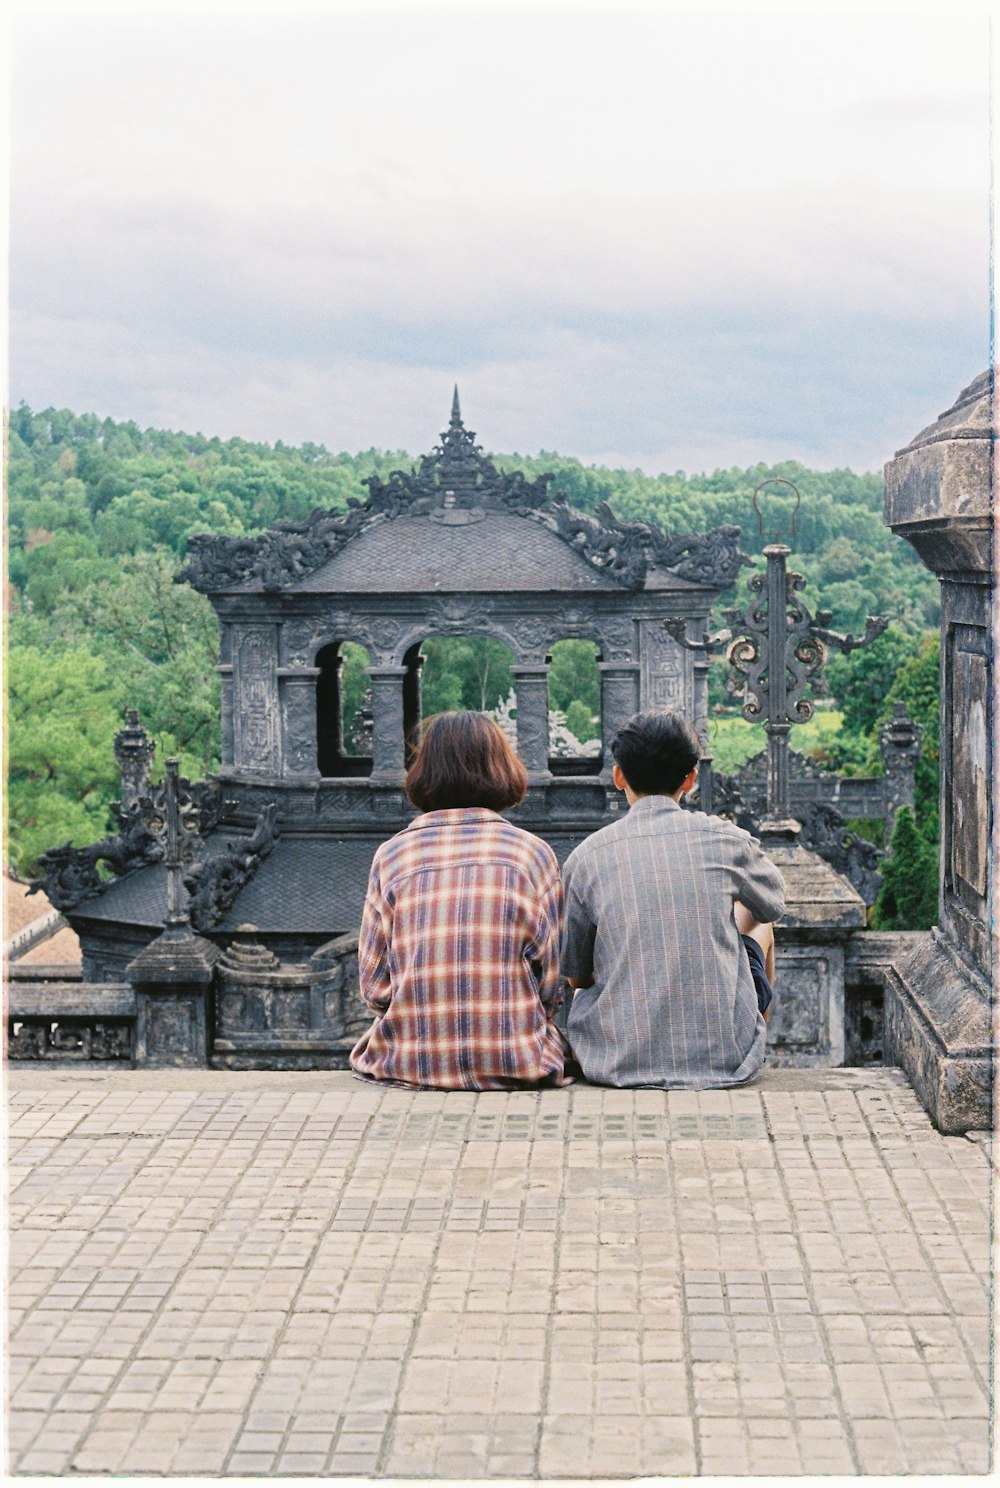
x: 457, y: 523
x: 414, y: 554
x: 307, y: 886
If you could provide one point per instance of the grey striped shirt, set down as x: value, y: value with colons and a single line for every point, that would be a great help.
x: 649, y: 914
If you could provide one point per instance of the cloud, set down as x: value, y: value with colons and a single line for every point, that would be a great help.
x: 675, y: 241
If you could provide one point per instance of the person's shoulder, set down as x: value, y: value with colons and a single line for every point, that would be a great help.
x: 720, y: 826
x: 528, y: 846
x: 603, y: 840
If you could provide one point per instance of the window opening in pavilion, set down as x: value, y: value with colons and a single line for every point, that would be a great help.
x: 343, y: 711
x: 464, y: 672
x: 574, y: 708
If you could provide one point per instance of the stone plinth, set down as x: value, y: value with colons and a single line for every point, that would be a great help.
x: 822, y: 912
x: 172, y: 978
x: 938, y: 495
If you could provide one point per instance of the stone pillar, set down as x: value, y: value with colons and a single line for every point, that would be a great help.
x: 134, y: 751
x: 531, y: 684
x: 899, y: 745
x: 388, y: 744
x: 619, y: 700
x: 297, y: 694
x: 413, y: 695
x: 225, y: 672
x: 256, y: 727
x: 172, y: 978
x: 822, y: 912
x: 938, y: 496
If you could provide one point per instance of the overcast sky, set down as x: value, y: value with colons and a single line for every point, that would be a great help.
x: 641, y: 238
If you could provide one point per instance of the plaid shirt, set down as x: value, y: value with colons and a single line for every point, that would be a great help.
x: 459, y: 956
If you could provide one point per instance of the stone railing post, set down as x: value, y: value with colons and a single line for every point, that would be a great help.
x: 531, y: 684
x: 388, y: 742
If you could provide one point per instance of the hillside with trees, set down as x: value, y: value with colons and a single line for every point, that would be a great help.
x: 100, y: 513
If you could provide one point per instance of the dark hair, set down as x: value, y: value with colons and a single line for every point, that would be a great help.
x: 463, y: 759
x: 656, y: 751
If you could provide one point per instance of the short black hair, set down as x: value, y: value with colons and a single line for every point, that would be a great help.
x: 656, y: 751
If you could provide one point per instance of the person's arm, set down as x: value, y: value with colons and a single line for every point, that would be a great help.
x: 374, y: 981
x: 760, y: 892
x: 579, y: 932
x: 545, y: 951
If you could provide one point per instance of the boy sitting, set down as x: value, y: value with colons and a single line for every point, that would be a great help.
x: 667, y: 932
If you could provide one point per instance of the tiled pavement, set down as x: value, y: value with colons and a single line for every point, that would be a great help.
x: 290, y: 1274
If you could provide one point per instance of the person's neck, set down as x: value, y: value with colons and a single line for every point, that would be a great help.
x: 632, y: 796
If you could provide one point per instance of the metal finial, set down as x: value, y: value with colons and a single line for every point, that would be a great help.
x: 776, y: 480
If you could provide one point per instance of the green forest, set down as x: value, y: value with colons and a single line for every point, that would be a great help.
x: 99, y: 516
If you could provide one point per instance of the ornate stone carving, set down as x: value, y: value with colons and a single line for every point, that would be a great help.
x: 459, y: 615
x: 664, y: 674
x: 712, y: 558
x: 616, y: 639
x: 288, y: 552
x: 616, y: 549
x: 299, y: 716
x: 899, y: 745
x: 72, y: 874
x: 213, y: 883
x: 246, y: 954
x: 49, y: 1039
x: 134, y: 751
x: 969, y: 826
x: 334, y: 805
x: 532, y: 688
x: 824, y: 832
x: 257, y: 745
x: 739, y: 798
x: 456, y: 484
x: 456, y: 478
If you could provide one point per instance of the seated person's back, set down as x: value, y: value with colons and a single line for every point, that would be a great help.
x: 666, y: 992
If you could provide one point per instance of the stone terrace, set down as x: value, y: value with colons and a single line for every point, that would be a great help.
x: 285, y: 1274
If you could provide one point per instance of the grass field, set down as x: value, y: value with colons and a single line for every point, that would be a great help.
x: 733, y: 740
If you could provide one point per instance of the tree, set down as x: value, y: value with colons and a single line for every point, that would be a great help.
x: 908, y: 897
x: 861, y: 681
x: 63, y: 710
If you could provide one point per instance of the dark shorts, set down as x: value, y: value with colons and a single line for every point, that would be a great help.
x: 760, y: 981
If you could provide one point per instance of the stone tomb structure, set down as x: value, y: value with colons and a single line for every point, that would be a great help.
x: 455, y: 547
x: 939, y: 496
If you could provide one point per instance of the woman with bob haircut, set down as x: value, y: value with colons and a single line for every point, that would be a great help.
x: 459, y: 948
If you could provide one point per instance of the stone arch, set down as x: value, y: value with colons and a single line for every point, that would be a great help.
x: 574, y: 662
x: 340, y: 748
x: 418, y: 631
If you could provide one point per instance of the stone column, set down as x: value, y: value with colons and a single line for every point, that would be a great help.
x: 531, y: 685
x: 172, y: 978
x: 938, y: 496
x: 388, y: 745
x: 134, y: 751
x: 619, y: 700
x: 297, y: 694
x: 226, y: 707
x: 899, y: 745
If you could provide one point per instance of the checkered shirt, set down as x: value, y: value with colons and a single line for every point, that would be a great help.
x: 459, y: 956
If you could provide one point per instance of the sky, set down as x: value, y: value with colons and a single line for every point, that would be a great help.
x: 643, y: 237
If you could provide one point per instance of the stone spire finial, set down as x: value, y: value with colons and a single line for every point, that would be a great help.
x: 456, y: 410
x: 134, y: 751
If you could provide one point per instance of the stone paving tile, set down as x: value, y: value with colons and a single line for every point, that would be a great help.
x: 297, y: 1275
